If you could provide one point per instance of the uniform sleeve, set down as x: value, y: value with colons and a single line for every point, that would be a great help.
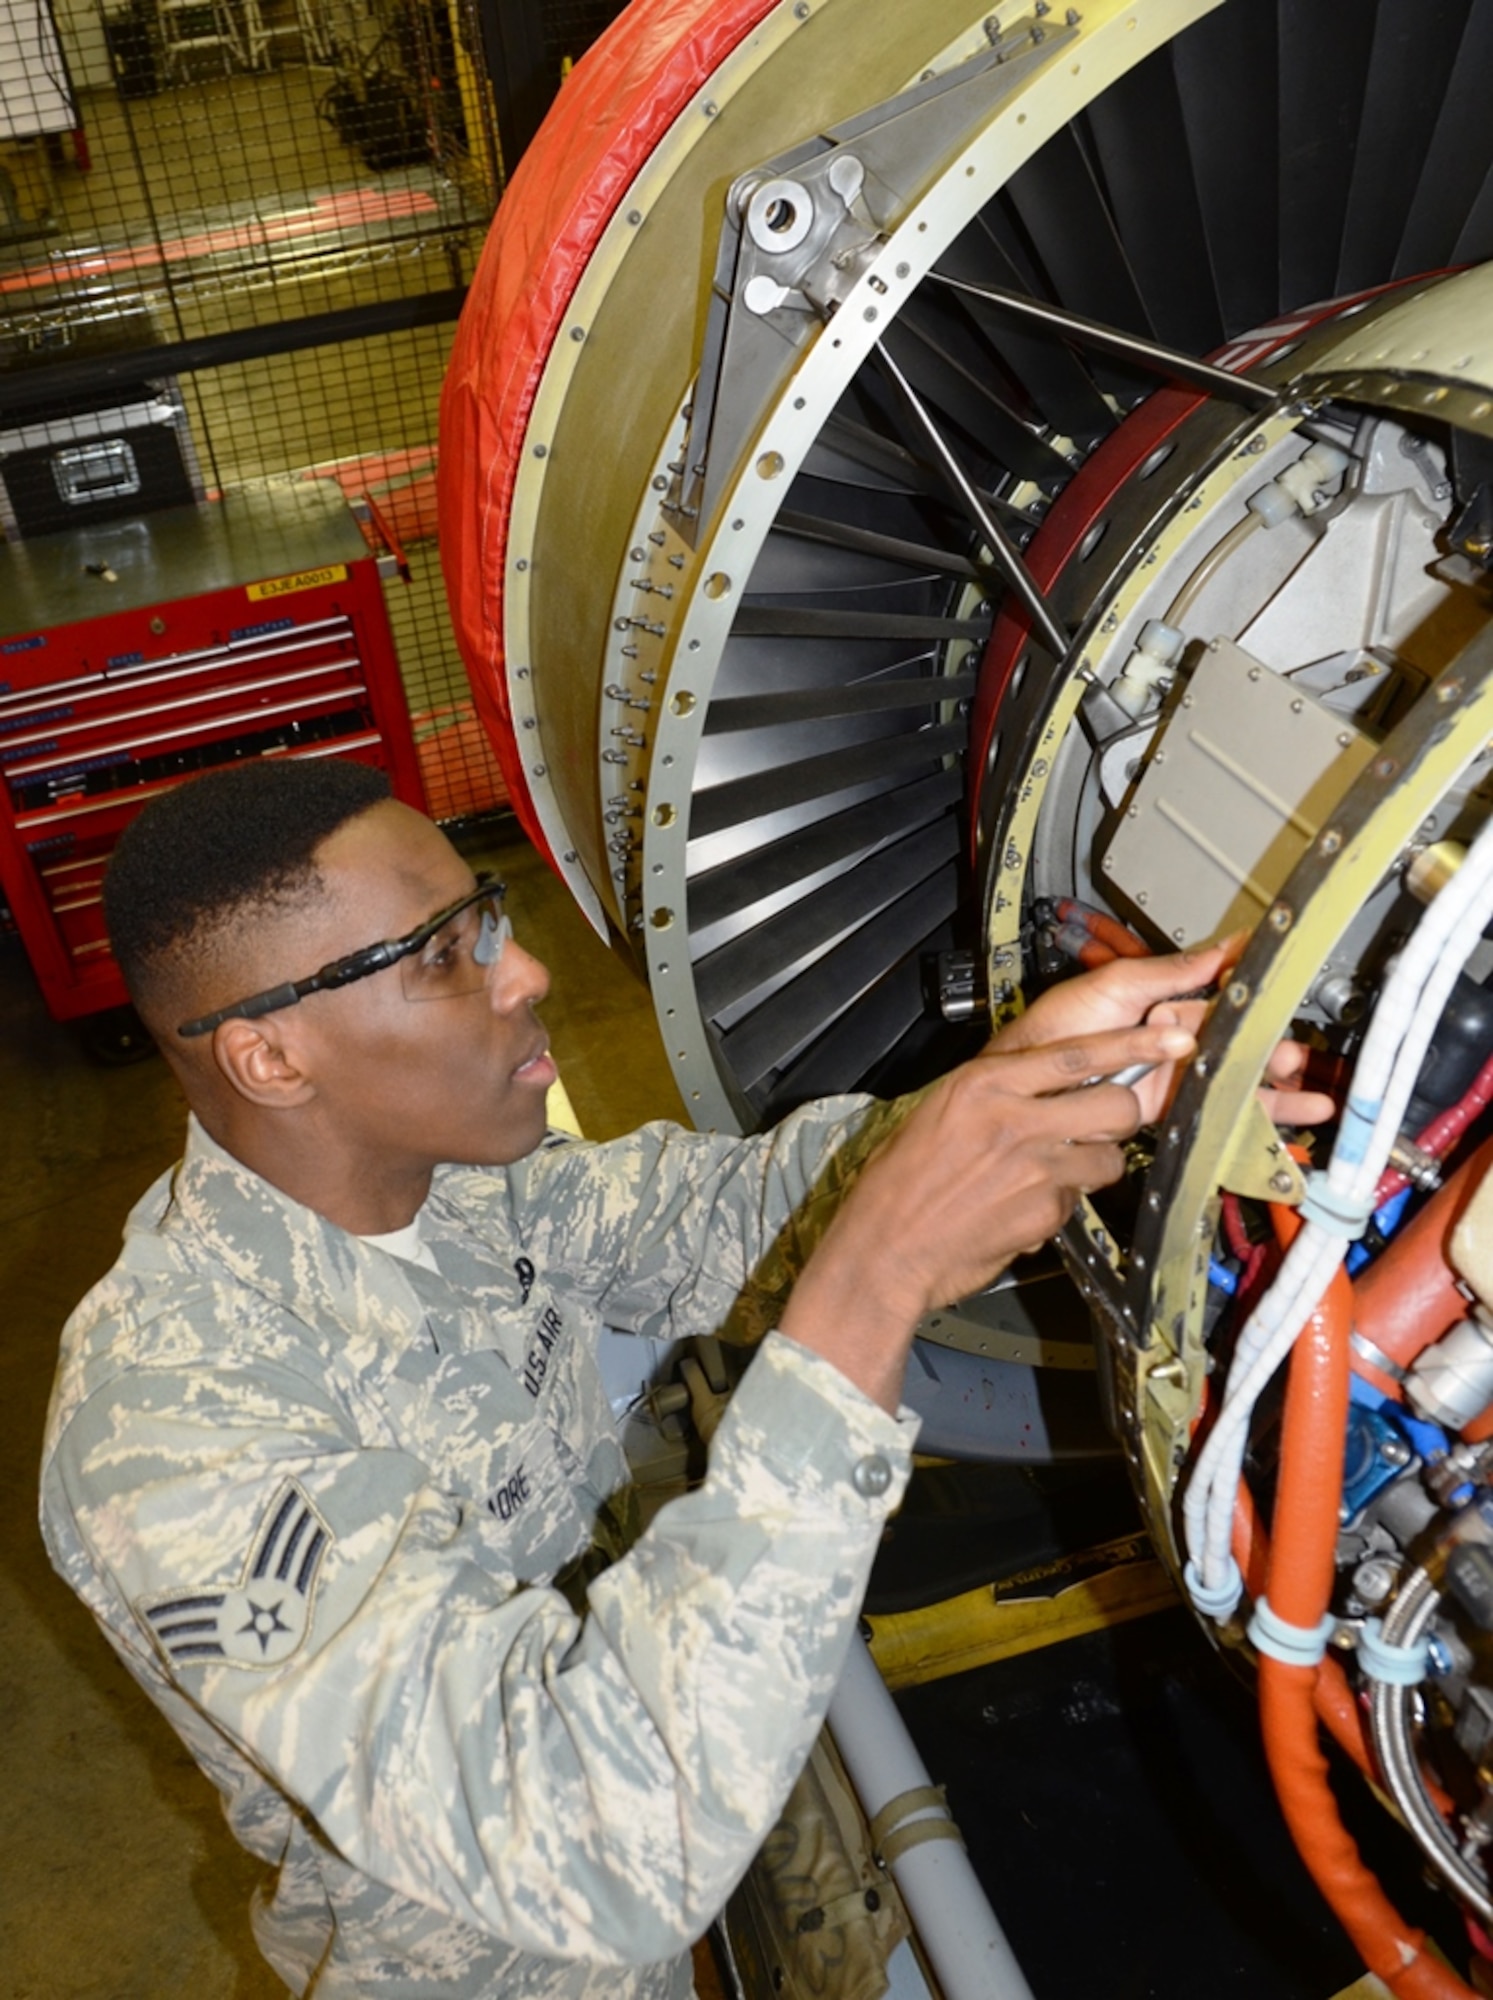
x: 674, y: 1232
x: 583, y: 1788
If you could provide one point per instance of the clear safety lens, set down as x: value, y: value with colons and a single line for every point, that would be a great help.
x: 460, y: 952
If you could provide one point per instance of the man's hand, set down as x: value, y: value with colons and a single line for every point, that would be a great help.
x: 987, y: 1165
x: 1163, y: 990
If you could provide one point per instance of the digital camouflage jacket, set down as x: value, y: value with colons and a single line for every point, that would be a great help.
x: 338, y: 1513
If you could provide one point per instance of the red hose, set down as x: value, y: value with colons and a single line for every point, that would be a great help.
x: 1301, y: 1576
x: 1234, y: 1232
x: 1447, y: 1127
x: 1443, y: 1132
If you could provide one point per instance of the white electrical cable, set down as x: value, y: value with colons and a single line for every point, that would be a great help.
x: 1394, y: 1050
x: 1208, y: 1508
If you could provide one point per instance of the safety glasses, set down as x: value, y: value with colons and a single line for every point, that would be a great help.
x: 441, y: 959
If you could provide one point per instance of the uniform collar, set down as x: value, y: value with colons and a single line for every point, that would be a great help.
x: 317, y: 1271
x: 285, y: 1251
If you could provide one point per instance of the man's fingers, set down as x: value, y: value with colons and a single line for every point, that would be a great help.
x: 1287, y: 1064
x: 1170, y: 975
x: 1029, y: 1218
x: 1298, y: 1107
x: 1058, y: 1067
x: 1188, y: 1014
x: 1094, y: 1163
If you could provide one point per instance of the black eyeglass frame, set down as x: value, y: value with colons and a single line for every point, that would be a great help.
x: 343, y: 971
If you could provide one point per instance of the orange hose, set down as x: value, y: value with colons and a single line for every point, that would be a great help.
x: 1409, y: 1297
x: 1108, y: 930
x: 1301, y: 1576
x: 1314, y: 1428
x: 1340, y: 1715
x: 1336, y: 1704
x: 1080, y: 944
x: 1390, y: 1947
x: 1124, y: 943
x: 1251, y: 1544
x: 1313, y: 1435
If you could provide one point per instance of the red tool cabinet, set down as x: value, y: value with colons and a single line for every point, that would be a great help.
x: 135, y: 653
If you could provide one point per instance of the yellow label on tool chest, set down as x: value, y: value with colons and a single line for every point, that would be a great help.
x: 306, y: 579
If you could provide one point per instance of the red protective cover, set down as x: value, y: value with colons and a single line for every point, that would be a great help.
x: 611, y: 112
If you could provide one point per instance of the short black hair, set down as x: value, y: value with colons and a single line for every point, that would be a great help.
x: 236, y: 838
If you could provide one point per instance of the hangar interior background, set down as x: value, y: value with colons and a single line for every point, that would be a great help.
x: 251, y: 225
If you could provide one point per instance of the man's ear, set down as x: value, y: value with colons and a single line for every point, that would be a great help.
x: 261, y: 1064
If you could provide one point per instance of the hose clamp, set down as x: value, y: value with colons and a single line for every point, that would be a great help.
x: 1292, y: 1645
x: 1397, y: 1666
x: 1216, y: 1602
x: 1331, y: 1210
x: 1365, y: 1349
x: 910, y: 1819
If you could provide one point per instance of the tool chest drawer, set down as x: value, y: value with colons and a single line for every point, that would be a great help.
x: 157, y: 648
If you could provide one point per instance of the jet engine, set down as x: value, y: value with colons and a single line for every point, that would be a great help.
x: 937, y: 497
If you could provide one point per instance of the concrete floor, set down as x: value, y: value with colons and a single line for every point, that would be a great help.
x: 118, y: 1878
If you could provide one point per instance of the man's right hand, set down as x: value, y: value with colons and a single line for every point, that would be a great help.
x: 988, y: 1165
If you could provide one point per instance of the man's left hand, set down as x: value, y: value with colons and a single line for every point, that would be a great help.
x: 1162, y: 991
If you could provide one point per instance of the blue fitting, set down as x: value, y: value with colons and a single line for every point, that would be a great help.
x: 1429, y: 1440
x: 1387, y: 1219
x: 1365, y: 1393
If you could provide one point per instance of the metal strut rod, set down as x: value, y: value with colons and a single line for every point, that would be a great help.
x: 970, y: 1954
x: 1128, y: 346
x: 1002, y: 548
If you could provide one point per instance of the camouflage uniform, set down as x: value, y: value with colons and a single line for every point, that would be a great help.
x: 336, y: 1513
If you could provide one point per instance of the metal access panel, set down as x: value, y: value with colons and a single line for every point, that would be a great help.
x: 1239, y: 782
x: 136, y: 653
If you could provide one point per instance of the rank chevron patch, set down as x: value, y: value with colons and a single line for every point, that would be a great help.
x: 263, y: 1620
